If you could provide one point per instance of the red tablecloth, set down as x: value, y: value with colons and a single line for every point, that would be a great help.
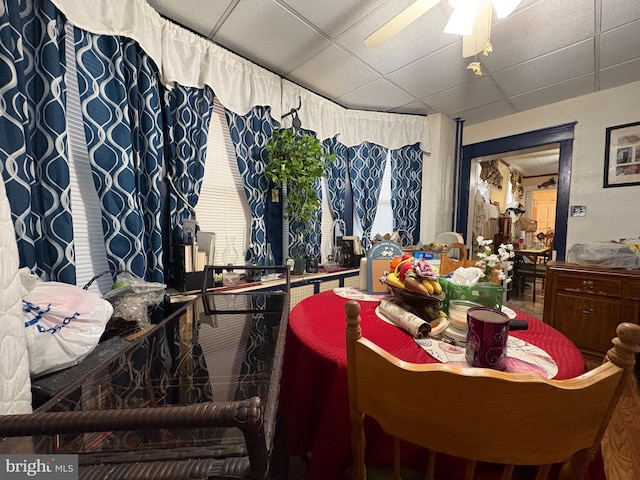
x: 314, y: 396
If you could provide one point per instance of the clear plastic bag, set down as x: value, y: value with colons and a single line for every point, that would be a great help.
x: 604, y: 254
x: 131, y: 297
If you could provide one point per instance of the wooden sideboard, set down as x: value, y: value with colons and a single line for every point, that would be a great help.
x: 588, y: 303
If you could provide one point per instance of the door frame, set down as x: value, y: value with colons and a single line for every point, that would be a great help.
x: 560, y: 134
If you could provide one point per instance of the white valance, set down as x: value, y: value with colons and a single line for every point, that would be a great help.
x: 328, y: 119
x: 184, y: 57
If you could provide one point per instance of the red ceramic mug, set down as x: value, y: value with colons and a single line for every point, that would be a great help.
x: 487, y: 333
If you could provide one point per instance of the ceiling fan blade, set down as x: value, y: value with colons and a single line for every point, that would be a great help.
x: 400, y: 21
x: 474, y: 43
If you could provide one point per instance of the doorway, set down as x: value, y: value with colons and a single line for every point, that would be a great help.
x: 543, y: 209
x: 561, y: 135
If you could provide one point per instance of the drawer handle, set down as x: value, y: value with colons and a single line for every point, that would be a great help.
x: 586, y: 309
x: 587, y: 283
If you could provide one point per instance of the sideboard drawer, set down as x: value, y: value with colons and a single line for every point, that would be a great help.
x: 632, y: 290
x: 589, y: 321
x: 594, y: 285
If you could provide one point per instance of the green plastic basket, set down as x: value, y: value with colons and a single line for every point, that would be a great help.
x: 487, y: 294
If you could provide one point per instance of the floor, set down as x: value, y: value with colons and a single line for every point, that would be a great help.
x: 524, y: 302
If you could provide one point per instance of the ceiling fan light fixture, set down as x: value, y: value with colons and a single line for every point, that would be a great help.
x: 505, y: 7
x: 462, y: 18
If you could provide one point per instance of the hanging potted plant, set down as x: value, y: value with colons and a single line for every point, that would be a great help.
x: 296, y: 160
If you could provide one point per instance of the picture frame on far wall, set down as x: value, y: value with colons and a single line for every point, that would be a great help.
x: 622, y: 155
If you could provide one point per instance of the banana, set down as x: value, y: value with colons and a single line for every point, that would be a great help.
x: 394, y: 281
x: 432, y: 286
x: 428, y: 284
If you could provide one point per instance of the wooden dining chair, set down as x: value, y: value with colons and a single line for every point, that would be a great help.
x: 483, y: 415
x: 449, y: 264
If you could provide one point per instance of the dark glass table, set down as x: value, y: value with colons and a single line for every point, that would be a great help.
x: 196, y: 396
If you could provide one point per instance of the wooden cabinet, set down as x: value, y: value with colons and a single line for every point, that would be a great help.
x: 588, y: 303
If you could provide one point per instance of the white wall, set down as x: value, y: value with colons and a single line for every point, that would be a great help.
x: 437, y: 179
x: 611, y: 212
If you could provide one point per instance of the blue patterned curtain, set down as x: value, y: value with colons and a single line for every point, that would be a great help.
x: 406, y: 188
x: 33, y: 150
x: 366, y: 169
x: 120, y: 101
x: 337, y: 177
x: 250, y: 134
x: 187, y: 116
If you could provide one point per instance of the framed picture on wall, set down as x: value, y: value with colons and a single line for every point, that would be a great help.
x: 622, y: 155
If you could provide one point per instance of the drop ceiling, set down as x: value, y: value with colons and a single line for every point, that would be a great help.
x: 544, y: 52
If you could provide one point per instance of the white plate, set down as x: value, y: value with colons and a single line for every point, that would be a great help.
x: 510, y: 313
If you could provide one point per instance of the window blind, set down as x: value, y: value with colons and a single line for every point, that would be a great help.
x: 222, y: 207
x: 90, y: 252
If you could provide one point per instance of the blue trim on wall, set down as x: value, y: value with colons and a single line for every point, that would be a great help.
x: 561, y: 134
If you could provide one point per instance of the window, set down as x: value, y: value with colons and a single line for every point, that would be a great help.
x: 222, y: 207
x: 90, y: 252
x: 383, y: 222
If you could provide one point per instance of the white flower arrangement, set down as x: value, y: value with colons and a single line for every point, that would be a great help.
x: 487, y: 260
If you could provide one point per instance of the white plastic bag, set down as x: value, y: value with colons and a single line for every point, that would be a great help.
x: 604, y: 254
x: 466, y: 276
x: 63, y: 323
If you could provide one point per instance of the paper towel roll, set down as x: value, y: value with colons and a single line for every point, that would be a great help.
x: 362, y: 276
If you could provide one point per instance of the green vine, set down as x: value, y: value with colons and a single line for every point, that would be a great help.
x: 297, y: 161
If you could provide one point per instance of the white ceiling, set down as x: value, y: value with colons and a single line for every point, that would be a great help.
x: 544, y: 52
x: 533, y: 162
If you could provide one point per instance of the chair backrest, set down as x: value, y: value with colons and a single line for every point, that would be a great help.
x: 449, y: 264
x: 548, y: 239
x: 504, y: 418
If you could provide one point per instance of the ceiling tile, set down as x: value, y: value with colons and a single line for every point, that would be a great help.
x: 485, y: 112
x: 333, y: 73
x: 335, y: 16
x: 620, y: 74
x: 378, y: 95
x: 208, y: 12
x: 422, y: 37
x: 553, y: 68
x: 618, y: 12
x: 416, y: 108
x: 268, y: 34
x: 464, y: 97
x: 539, y: 29
x: 620, y: 45
x: 436, y: 73
x: 555, y: 93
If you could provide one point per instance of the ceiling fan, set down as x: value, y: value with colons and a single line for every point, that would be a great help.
x: 470, y: 18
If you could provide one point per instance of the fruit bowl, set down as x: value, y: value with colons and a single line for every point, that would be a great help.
x: 415, y: 299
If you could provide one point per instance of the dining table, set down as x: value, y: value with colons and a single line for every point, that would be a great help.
x: 314, y: 393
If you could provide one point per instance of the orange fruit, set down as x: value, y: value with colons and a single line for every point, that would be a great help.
x: 394, y: 262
